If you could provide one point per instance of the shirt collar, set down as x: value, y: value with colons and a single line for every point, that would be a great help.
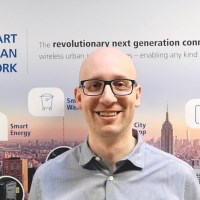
x: 86, y: 154
x: 136, y: 157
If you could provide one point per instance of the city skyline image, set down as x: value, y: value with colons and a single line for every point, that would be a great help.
x: 29, y: 154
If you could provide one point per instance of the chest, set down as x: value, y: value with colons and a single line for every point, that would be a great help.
x: 126, y: 186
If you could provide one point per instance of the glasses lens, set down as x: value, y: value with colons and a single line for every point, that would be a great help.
x: 122, y: 86
x: 119, y: 87
x: 93, y: 87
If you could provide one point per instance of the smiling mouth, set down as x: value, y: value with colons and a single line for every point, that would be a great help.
x: 108, y: 114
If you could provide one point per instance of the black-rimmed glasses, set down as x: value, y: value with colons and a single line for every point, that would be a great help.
x: 119, y: 87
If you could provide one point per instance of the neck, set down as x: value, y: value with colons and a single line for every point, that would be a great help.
x: 112, y: 149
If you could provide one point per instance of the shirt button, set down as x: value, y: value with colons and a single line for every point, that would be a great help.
x: 97, y: 158
x: 110, y: 178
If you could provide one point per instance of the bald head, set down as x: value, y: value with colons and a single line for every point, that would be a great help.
x: 107, y: 64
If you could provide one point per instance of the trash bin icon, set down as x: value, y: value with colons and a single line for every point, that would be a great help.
x: 47, y: 100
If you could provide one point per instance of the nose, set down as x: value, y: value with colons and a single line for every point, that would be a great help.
x: 107, y: 96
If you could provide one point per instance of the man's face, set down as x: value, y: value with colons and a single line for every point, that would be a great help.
x: 107, y: 114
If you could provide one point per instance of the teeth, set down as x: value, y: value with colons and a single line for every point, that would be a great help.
x: 108, y: 114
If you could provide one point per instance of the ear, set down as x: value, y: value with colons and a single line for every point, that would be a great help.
x: 137, y: 96
x: 77, y: 95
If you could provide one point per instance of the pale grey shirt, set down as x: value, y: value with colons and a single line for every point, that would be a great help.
x: 146, y: 173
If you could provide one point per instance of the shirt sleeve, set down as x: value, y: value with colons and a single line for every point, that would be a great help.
x: 192, y: 187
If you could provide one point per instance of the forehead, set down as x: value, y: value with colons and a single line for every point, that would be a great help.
x: 107, y: 65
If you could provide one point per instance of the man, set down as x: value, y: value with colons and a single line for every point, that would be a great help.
x: 113, y: 163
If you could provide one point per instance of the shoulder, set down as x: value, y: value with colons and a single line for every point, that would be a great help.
x: 166, y: 168
x: 68, y: 159
x: 157, y: 157
x: 53, y: 172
